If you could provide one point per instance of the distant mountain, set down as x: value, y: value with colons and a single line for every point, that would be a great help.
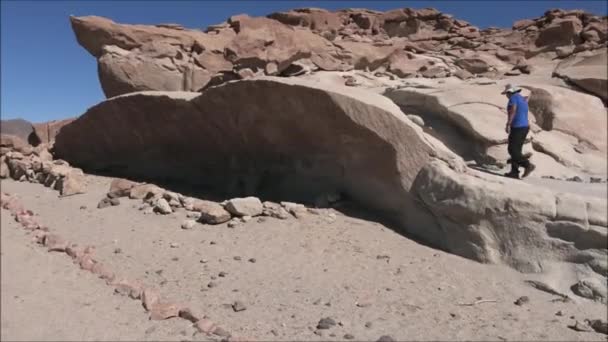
x: 19, y: 127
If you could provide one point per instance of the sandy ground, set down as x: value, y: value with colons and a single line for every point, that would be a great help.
x: 369, y: 279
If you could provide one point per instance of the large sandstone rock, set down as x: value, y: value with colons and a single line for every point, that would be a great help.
x: 211, y: 212
x: 470, y: 120
x: 304, y: 139
x: 494, y: 219
x: 249, y: 206
x: 559, y: 32
x: 588, y: 73
x: 571, y: 112
x: 283, y: 147
x: 142, y: 57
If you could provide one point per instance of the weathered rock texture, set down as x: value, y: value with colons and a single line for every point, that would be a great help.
x: 293, y: 139
x: 589, y: 73
x: 403, y: 42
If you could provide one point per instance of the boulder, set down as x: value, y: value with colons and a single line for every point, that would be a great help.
x: 211, y: 212
x: 523, y: 24
x: 591, y: 288
x: 560, y: 32
x: 71, y: 184
x: 479, y: 63
x: 570, y: 112
x: 121, y: 187
x: 469, y: 119
x: 316, y: 19
x: 266, y: 146
x: 474, y: 210
x: 588, y: 73
x: 144, y: 190
x: 12, y: 143
x: 4, y: 170
x: 248, y: 206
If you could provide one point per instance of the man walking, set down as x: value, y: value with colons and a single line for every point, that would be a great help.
x: 517, y: 127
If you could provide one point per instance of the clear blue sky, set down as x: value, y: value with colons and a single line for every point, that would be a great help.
x: 46, y: 75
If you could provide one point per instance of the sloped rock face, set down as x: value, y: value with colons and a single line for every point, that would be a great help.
x: 293, y: 139
x: 494, y: 219
x: 405, y: 42
x: 589, y: 73
x: 284, y: 138
x: 470, y: 121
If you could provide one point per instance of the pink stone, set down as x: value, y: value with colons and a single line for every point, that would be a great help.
x: 161, y: 311
x: 204, y: 325
x: 149, y: 298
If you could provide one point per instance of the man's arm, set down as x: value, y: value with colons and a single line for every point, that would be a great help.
x: 511, y: 108
x: 511, y: 112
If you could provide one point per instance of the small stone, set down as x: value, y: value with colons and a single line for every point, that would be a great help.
x: 453, y: 315
x: 368, y: 325
x: 595, y: 180
x: 104, y: 203
x: 349, y: 337
x: 385, y: 338
x: 326, y: 323
x: 559, y: 313
x: 211, y: 284
x: 174, y: 245
x: 204, y: 261
x: 162, y: 206
x: 274, y: 332
x: 522, y: 300
x: 238, y: 306
x: 575, y: 179
x: 117, y: 250
x: 246, y: 218
x: 237, y: 258
x: 233, y: 223
x: 204, y: 325
x: 212, y: 242
x: 578, y: 326
x: 175, y: 259
x: 222, y: 274
x: 599, y: 326
x: 364, y: 304
x: 220, y: 332
x: 188, y: 224
x: 83, y: 207
x: 193, y: 215
x: 252, y: 260
x: 114, y: 201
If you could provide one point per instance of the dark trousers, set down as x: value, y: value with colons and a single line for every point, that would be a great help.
x: 517, y: 137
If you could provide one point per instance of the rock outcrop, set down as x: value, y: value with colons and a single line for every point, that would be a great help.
x: 295, y: 139
x: 298, y: 141
x: 589, y: 73
x: 404, y: 42
x: 470, y: 120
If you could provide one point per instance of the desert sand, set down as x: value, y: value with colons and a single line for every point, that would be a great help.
x: 369, y: 279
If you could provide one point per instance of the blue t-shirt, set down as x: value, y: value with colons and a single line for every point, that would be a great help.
x: 521, y: 110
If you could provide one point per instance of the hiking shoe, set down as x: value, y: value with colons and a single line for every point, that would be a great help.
x: 512, y: 175
x: 528, y: 170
